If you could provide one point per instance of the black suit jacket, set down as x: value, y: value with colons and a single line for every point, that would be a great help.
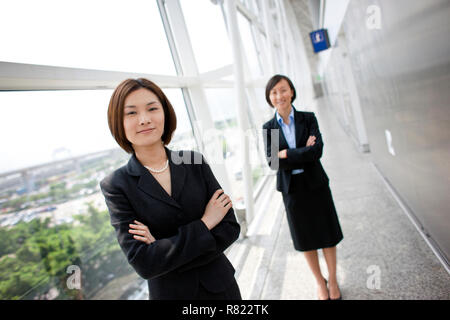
x: 301, y: 157
x: 185, y: 252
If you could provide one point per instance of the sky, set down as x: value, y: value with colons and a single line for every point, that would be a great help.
x: 35, y: 124
x: 103, y: 35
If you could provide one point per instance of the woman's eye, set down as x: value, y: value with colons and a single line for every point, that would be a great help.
x: 130, y: 113
x: 153, y: 108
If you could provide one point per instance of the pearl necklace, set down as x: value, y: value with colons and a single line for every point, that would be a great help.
x: 159, y: 170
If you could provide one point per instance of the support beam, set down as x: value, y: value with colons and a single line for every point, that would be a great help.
x: 21, y: 76
x: 241, y: 105
x: 204, y: 122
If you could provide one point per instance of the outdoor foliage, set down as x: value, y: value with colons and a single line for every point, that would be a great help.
x: 34, y: 257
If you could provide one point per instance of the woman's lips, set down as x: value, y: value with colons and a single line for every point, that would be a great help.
x: 147, y: 130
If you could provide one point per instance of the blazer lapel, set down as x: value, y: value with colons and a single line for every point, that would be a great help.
x: 177, y: 175
x: 282, y: 139
x: 148, y: 184
x: 299, y: 127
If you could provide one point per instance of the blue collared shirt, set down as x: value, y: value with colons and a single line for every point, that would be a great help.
x: 289, y: 133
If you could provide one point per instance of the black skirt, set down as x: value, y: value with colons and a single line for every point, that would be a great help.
x: 311, y: 215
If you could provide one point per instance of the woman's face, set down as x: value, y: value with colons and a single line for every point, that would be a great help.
x: 281, y: 96
x: 143, y: 118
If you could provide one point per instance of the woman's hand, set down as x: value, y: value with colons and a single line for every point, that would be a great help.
x: 282, y: 154
x: 216, y: 209
x: 311, y: 141
x: 141, y: 232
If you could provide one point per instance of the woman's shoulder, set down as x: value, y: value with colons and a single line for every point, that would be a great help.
x: 308, y: 114
x: 113, y: 178
x: 269, y: 124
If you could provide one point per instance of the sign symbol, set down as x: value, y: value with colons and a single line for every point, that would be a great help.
x: 318, y: 37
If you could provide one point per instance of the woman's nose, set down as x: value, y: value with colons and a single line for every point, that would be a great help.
x: 144, y: 119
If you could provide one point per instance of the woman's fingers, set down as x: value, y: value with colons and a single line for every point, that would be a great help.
x: 141, y: 232
x: 137, y: 226
x: 224, y: 200
x: 217, y: 193
x: 142, y: 236
x: 311, y: 141
x: 143, y: 239
x: 221, y: 197
x: 282, y: 154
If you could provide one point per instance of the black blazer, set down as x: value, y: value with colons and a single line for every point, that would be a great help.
x: 185, y: 252
x: 301, y: 157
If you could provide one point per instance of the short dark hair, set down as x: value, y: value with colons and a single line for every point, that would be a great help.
x: 273, y: 82
x: 116, y: 111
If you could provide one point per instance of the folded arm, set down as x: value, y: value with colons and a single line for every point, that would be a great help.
x: 224, y: 233
x: 163, y: 255
x: 272, y: 146
x: 296, y: 157
x: 311, y: 153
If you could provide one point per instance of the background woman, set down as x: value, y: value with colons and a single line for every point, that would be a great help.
x: 311, y: 215
x: 171, y: 217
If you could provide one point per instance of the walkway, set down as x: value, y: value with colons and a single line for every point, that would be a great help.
x: 382, y: 255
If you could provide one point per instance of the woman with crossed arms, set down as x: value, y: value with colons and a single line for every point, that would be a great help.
x: 311, y: 215
x: 172, y: 219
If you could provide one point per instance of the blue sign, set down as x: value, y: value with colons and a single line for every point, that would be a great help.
x: 319, y: 40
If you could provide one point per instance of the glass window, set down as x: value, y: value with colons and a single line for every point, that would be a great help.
x: 262, y: 106
x: 44, y: 126
x: 183, y: 137
x: 101, y: 34
x: 208, y: 34
x: 264, y: 55
x: 253, y: 6
x: 249, y: 46
x: 221, y: 105
x: 56, y: 241
x: 51, y: 215
x: 257, y: 114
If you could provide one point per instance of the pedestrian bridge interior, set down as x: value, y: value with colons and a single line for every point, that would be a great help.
x: 380, y: 92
